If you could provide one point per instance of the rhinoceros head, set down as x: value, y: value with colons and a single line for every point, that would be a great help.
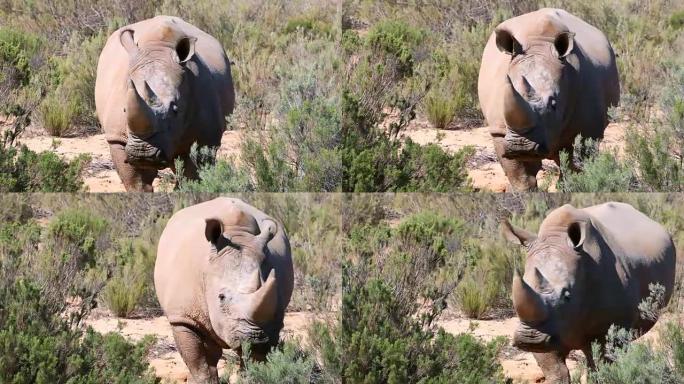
x: 550, y: 296
x: 158, y: 92
x: 537, y: 94
x: 240, y: 286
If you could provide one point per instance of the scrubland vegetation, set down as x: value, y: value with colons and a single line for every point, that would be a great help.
x: 387, y: 268
x: 413, y: 61
x: 325, y: 88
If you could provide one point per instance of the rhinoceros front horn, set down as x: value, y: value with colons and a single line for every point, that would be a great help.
x: 264, y: 302
x: 517, y: 112
x: 527, y: 303
x: 139, y: 122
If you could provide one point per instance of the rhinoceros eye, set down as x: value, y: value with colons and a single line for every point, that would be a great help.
x: 174, y: 107
x: 222, y: 297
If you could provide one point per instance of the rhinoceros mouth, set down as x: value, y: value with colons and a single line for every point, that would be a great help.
x: 520, y: 147
x: 530, y: 339
x: 144, y: 153
x: 250, y: 333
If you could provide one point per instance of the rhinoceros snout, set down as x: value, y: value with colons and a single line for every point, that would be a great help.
x: 520, y: 147
x: 532, y: 340
x: 142, y: 154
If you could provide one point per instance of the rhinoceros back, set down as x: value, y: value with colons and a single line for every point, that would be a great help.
x: 641, y: 246
x: 213, y: 89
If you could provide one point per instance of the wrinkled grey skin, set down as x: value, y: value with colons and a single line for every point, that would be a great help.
x: 223, y: 277
x: 546, y: 77
x: 586, y: 270
x: 162, y: 85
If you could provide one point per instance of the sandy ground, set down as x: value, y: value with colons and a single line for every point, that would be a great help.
x: 483, y: 169
x: 166, y: 361
x: 100, y: 175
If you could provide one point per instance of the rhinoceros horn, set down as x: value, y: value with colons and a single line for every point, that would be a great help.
x: 139, y: 122
x: 253, y: 282
x: 527, y: 303
x: 264, y: 302
x: 517, y: 112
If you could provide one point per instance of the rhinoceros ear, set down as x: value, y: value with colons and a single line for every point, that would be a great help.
x: 507, y: 43
x: 577, y: 233
x: 127, y: 41
x: 517, y: 235
x: 213, y: 230
x: 564, y: 44
x: 185, y: 49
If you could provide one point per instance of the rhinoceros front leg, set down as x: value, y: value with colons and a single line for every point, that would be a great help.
x: 200, y: 356
x: 553, y: 366
x: 521, y: 174
x: 134, y: 180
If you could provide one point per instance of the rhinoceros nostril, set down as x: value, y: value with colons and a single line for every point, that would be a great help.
x: 551, y: 103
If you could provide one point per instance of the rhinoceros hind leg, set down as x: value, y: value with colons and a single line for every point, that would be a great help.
x: 554, y: 367
x: 200, y: 356
x: 134, y: 180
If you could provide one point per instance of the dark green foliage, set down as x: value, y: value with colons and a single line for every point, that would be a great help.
x: 287, y: 364
x: 41, y: 339
x: 387, y: 165
x: 600, y: 171
x: 17, y: 50
x: 22, y: 170
x: 379, y: 341
x: 391, y: 298
x: 38, y: 346
x: 398, y: 41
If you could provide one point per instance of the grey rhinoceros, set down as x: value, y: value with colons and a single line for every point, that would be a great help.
x: 546, y: 77
x: 223, y: 277
x: 586, y: 269
x: 162, y: 85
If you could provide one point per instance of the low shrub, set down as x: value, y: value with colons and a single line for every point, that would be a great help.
x: 287, y: 364
x: 124, y: 291
x: 600, y: 171
x: 22, y: 170
x: 37, y: 345
x: 476, y: 294
x: 382, y: 338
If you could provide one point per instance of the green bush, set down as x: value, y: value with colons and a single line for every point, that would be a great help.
x: 382, y: 339
x: 17, y: 51
x: 658, y: 148
x: 600, y: 171
x: 393, y: 290
x: 385, y: 165
x: 124, y: 291
x: 398, y: 41
x: 37, y: 345
x: 475, y: 295
x: 71, y: 103
x: 287, y: 364
x: 22, y: 170
x: 214, y: 175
